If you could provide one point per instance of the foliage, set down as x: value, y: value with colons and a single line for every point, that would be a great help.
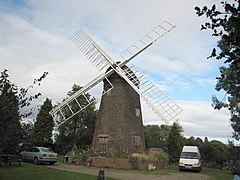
x: 26, y: 130
x: 78, y: 131
x: 10, y: 128
x: 150, y: 156
x: 11, y: 104
x: 156, y: 136
x: 175, y: 142
x: 214, y: 153
x: 226, y: 25
x: 234, y: 163
x: 25, y: 100
x: 41, y: 133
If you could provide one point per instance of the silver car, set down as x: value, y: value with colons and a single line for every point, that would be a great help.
x: 38, y: 155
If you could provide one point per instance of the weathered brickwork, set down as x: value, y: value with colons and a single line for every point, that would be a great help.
x: 127, y: 164
x: 119, y: 126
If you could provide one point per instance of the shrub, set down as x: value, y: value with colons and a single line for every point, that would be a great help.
x: 233, y: 166
x: 150, y: 156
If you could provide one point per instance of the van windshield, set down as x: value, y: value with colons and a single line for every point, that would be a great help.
x: 189, y: 155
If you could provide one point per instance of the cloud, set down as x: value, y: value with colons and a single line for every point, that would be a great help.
x: 206, y: 82
x: 198, y: 119
x: 35, y: 37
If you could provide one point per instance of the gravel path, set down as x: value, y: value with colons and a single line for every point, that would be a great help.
x: 130, y: 174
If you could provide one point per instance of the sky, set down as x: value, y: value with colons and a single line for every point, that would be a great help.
x: 35, y: 37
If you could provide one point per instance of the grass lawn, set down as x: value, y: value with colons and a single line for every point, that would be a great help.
x: 217, y: 174
x: 214, y: 174
x: 28, y: 171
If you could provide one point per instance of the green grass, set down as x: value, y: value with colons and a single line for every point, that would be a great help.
x: 214, y: 174
x: 29, y: 171
x: 217, y: 174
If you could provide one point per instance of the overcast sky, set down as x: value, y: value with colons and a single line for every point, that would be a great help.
x: 35, y: 36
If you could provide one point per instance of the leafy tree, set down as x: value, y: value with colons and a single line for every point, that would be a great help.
x: 206, y: 140
x: 215, y: 153
x: 78, y: 131
x: 41, y: 133
x: 26, y: 129
x: 175, y: 142
x: 192, y: 141
x: 156, y: 136
x: 10, y: 128
x: 225, y: 24
x: 11, y: 103
x: 234, y: 160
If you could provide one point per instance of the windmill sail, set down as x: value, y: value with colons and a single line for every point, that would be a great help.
x: 165, y: 108
x: 92, y: 51
x: 73, y: 105
x: 146, y: 41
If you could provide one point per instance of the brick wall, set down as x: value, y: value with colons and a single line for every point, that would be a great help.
x: 117, y: 120
x: 127, y: 164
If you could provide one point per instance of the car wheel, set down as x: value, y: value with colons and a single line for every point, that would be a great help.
x: 35, y: 161
x: 20, y: 157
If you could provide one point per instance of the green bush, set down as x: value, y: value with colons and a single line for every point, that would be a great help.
x: 150, y: 156
x: 233, y: 166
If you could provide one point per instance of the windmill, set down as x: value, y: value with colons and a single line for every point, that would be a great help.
x: 119, y: 126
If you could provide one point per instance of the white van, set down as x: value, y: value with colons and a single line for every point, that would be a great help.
x: 190, y: 158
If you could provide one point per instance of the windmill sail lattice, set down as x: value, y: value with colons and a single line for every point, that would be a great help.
x: 165, y: 108
x: 72, y: 106
x: 147, y: 40
x: 91, y: 50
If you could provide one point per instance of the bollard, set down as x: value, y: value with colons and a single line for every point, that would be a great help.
x: 101, y: 175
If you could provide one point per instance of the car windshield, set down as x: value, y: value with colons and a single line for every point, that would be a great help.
x: 189, y: 155
x: 46, y: 150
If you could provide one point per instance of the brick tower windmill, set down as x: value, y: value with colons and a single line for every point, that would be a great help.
x: 119, y: 127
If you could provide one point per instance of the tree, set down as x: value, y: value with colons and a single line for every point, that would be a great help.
x: 78, y: 131
x: 156, y: 136
x: 12, y: 103
x: 41, y: 133
x: 26, y: 129
x: 10, y: 128
x: 175, y: 142
x: 226, y: 25
x: 214, y: 153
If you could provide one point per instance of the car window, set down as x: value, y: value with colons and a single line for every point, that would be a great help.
x: 28, y: 149
x: 46, y: 150
x: 189, y: 155
x: 36, y: 150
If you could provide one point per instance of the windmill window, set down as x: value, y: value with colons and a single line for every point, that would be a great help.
x: 103, y: 140
x: 137, y: 111
x: 136, y: 140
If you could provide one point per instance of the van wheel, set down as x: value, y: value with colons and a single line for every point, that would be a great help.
x: 35, y: 161
x: 199, y: 170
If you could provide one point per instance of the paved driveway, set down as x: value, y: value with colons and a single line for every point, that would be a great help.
x: 130, y: 174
